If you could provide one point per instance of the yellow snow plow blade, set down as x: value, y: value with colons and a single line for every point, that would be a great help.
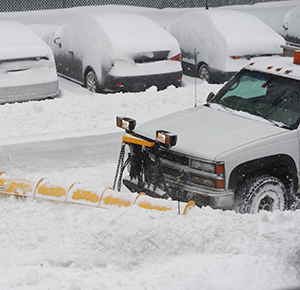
x: 15, y: 186
x: 76, y: 194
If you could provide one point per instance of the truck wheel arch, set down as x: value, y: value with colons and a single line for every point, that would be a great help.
x: 281, y: 166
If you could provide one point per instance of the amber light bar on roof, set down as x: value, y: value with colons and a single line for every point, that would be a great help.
x: 297, y: 57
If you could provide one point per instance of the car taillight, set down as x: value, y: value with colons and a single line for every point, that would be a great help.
x: 176, y: 57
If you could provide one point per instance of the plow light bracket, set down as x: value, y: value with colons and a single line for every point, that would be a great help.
x: 166, y: 138
x: 126, y: 123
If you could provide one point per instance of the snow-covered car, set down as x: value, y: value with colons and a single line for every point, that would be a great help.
x: 116, y: 52
x: 291, y: 24
x: 27, y: 65
x: 216, y: 44
x: 238, y: 151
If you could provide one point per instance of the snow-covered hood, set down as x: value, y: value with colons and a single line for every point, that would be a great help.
x: 205, y: 132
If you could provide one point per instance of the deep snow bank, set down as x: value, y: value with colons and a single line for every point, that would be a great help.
x: 48, y: 245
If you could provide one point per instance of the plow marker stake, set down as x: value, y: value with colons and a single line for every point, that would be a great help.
x: 43, y: 189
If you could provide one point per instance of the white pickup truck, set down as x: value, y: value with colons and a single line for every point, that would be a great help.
x: 240, y: 150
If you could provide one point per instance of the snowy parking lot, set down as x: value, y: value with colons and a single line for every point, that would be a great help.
x: 51, y: 245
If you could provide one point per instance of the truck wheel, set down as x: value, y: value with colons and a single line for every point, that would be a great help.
x: 91, y: 81
x: 261, y: 193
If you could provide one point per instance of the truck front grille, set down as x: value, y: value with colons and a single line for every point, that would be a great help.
x: 174, y: 165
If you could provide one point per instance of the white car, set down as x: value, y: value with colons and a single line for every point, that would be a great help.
x: 113, y: 52
x: 27, y: 65
x: 216, y: 43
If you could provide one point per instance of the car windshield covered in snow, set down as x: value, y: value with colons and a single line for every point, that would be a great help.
x: 271, y: 97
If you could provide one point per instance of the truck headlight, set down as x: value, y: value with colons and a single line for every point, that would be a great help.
x: 217, y: 168
x: 126, y: 123
x: 218, y: 183
x: 166, y: 138
x: 214, y: 176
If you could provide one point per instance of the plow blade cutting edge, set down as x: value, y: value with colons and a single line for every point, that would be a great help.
x: 43, y: 189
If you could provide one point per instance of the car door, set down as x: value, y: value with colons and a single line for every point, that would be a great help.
x: 68, y: 62
x: 73, y: 65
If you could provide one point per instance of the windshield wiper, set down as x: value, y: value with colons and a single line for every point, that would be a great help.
x: 252, y: 112
x: 210, y: 105
x: 259, y: 114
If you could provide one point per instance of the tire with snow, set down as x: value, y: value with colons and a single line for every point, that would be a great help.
x: 261, y: 193
x: 91, y: 81
x: 204, y: 73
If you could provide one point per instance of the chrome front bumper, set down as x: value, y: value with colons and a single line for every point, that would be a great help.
x: 223, y: 199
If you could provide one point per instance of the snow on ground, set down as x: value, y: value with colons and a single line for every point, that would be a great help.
x: 78, y: 112
x: 49, y: 245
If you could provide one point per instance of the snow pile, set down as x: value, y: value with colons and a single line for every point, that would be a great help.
x: 56, y: 246
x: 79, y: 113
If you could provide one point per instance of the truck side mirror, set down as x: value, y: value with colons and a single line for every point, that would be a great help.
x: 209, y: 97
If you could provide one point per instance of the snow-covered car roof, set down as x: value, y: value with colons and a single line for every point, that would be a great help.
x: 217, y: 34
x: 18, y: 40
x: 134, y: 33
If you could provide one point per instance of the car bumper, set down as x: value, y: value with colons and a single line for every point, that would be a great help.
x: 143, y: 82
x: 29, y: 92
x: 202, y: 197
x: 134, y: 77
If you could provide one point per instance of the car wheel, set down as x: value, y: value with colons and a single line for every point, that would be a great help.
x: 203, y: 72
x: 261, y: 193
x: 91, y: 81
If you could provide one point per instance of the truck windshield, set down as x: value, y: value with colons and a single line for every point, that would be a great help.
x: 272, y: 97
